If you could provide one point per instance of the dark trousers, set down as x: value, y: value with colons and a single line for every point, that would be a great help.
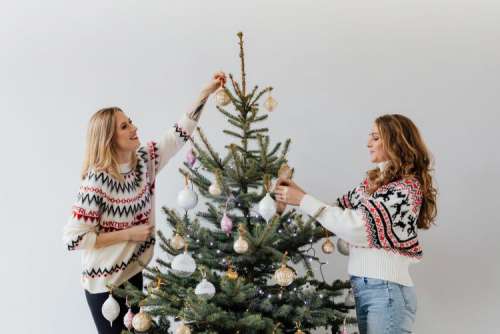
x: 95, y: 301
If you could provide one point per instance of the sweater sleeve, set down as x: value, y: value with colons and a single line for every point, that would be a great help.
x: 80, y: 232
x: 172, y: 141
x: 345, y: 223
x: 387, y: 219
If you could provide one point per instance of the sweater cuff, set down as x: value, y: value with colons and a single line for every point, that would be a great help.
x: 311, y: 205
x: 187, y: 124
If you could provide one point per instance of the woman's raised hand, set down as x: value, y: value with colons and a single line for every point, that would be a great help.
x: 218, y: 80
x: 288, y: 192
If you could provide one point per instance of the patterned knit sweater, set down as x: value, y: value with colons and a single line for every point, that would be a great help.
x: 105, y: 204
x: 380, y: 228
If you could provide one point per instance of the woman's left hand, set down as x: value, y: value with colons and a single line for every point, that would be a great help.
x: 218, y: 80
x: 289, y: 194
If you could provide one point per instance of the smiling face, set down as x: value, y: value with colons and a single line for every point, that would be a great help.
x: 376, y: 146
x: 125, y: 138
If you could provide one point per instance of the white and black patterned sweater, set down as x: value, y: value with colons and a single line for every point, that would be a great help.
x: 380, y: 228
x: 105, y: 204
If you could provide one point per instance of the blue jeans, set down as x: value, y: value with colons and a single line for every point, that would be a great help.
x: 383, y: 307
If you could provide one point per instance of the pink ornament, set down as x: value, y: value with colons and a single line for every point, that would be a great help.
x: 127, y: 319
x: 226, y: 224
x: 191, y: 158
x: 343, y: 330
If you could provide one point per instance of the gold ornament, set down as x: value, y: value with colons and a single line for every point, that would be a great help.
x: 221, y: 97
x: 241, y: 245
x: 270, y: 104
x: 298, y: 331
x: 231, y: 273
x: 142, y: 321
x: 285, y: 171
x: 284, y: 275
x: 157, y: 288
x: 177, y: 242
x: 328, y: 247
x: 183, y: 329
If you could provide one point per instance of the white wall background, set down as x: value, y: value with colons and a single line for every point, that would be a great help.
x: 335, y: 66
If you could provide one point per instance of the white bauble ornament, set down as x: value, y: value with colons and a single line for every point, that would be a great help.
x: 267, y: 207
x: 182, y: 329
x: 221, y: 97
x: 214, y: 189
x: 349, y: 299
x: 110, y: 309
x: 205, y: 289
x: 240, y: 246
x: 308, y: 288
x: 128, y: 318
x: 177, y: 242
x: 183, y: 265
x: 142, y: 321
x: 284, y: 275
x: 187, y: 199
x: 343, y: 247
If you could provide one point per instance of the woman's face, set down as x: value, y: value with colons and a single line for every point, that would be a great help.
x: 375, y: 146
x: 125, y: 133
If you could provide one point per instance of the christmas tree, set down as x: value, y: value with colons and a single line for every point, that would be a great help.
x: 230, y: 267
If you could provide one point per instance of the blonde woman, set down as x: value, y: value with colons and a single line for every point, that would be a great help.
x: 113, y: 219
x: 379, y: 218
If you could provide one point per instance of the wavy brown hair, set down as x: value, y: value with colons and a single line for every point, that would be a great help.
x: 408, y: 158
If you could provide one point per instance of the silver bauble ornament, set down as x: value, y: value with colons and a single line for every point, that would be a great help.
x: 205, y: 289
x: 110, y: 309
x: 183, y: 265
x: 187, y: 199
x: 349, y: 299
x: 308, y: 288
x: 267, y: 207
x: 343, y: 247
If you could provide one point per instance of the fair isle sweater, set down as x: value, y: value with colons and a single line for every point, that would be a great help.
x: 381, y: 228
x: 105, y: 204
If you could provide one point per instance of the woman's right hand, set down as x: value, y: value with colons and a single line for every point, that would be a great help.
x: 218, y: 80
x: 140, y: 232
x: 286, y: 182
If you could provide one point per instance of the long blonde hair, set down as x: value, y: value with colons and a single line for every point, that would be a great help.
x: 100, y: 148
x: 408, y: 157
